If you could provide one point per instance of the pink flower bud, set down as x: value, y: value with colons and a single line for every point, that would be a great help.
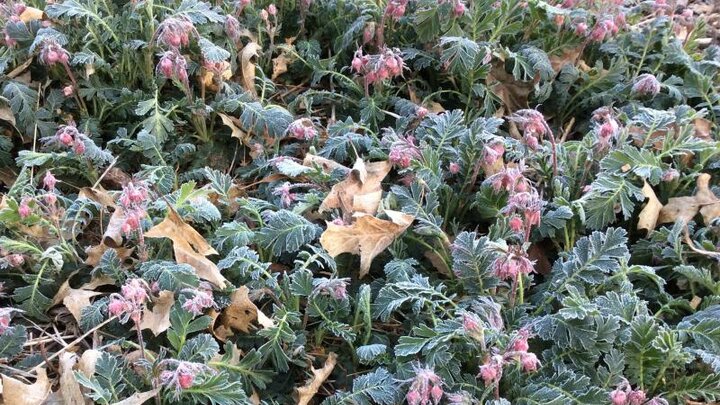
x: 413, y: 398
x: 454, y: 168
x: 516, y: 224
x: 24, y: 209
x: 529, y: 362
x: 52, y: 57
x: 50, y: 199
x: 618, y: 397
x: 264, y: 15
x: 459, y: 9
x: 636, y: 397
x: 421, y: 112
x: 68, y: 90
x: 436, y: 392
x: 185, y: 380
x: 581, y: 29
x: 15, y: 260
x: 116, y: 307
x: 79, y: 147
x: 669, y: 175
x: 272, y: 10
x: 49, y: 180
x: 488, y: 373
x: 646, y: 85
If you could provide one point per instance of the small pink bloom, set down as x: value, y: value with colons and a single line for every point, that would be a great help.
x: 488, y: 372
x: 24, y: 209
x: 232, y: 27
x: 646, y: 85
x: 529, y: 362
x: 421, y: 112
x: 68, y: 90
x: 5, y: 314
x: 436, y: 392
x: 459, y: 9
x: 49, y: 180
x: 116, y: 307
x: 264, y: 15
x: 516, y: 224
x: 79, y: 147
x: 50, y: 199
x: 272, y: 10
x: 581, y: 29
x: 185, y: 380
x: 636, y: 397
x: 669, y: 175
x: 15, y: 260
x: 454, y: 168
x: 413, y: 398
x: 618, y: 397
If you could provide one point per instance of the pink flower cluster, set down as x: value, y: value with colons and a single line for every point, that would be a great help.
x: 232, y: 28
x: 492, y: 152
x: 458, y: 7
x: 510, y: 179
x: 646, y: 85
x: 284, y: 191
x: 513, y: 263
x: 605, y: 28
x: 533, y: 125
x: 302, y: 129
x: 333, y: 287
x: 376, y: 68
x: 130, y: 302
x: 69, y: 136
x: 625, y: 395
x: 606, y: 127
x: 517, y: 351
x: 133, y: 199
x: 396, y: 9
x: 52, y: 53
x: 403, y: 151
x: 173, y: 66
x: 5, y: 316
x: 183, y: 374
x: 175, y: 32
x: 202, y: 299
x: 473, y: 327
x: 527, y: 204
x: 426, y: 388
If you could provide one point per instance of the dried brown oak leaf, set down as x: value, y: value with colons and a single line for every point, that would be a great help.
x: 18, y: 393
x: 69, y: 387
x: 247, y: 66
x: 327, y: 165
x: 649, y: 214
x: 241, y: 313
x: 361, y: 191
x: 685, y: 208
x: 280, y: 66
x: 158, y: 319
x: 367, y: 236
x: 75, y: 299
x: 308, y: 391
x: 189, y: 247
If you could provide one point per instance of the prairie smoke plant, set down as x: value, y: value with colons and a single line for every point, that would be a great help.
x: 646, y: 85
x: 426, y: 387
x: 175, y: 32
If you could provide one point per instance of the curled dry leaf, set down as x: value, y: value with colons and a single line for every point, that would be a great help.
x: 139, y: 398
x: 247, y: 66
x: 513, y: 93
x: 99, y: 195
x: 75, y: 299
x: 87, y: 362
x: 31, y: 14
x: 69, y: 387
x: 158, y: 319
x: 113, y: 236
x: 308, y: 391
x: 649, y: 215
x: 240, y: 314
x: 234, y: 125
x: 280, y: 65
x: 327, y: 165
x: 684, y: 209
x: 361, y: 191
x: 367, y: 237
x: 18, y: 393
x: 95, y: 253
x: 189, y: 246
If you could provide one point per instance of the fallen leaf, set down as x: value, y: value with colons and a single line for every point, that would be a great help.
x: 569, y: 56
x: 703, y: 128
x: 649, y: 215
x: 69, y: 387
x: 327, y: 165
x: 247, y: 66
x: 438, y: 263
x: 139, y: 398
x: 158, y: 319
x: 367, y: 236
x: 87, y: 362
x: 361, y: 191
x: 234, y: 125
x: 513, y: 93
x: 74, y: 299
x: 95, y: 253
x: 99, y: 195
x: 31, y: 14
x: 280, y: 66
x: 113, y: 236
x: 18, y: 393
x: 6, y: 114
x: 685, y: 208
x: 240, y: 313
x: 189, y: 246
x: 308, y: 391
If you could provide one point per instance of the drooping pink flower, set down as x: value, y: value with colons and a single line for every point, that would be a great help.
x: 516, y: 224
x: 52, y: 52
x: 181, y: 375
x: 333, y: 287
x: 49, y: 180
x: 618, y: 397
x: 581, y: 29
x: 510, y: 179
x: 264, y: 15
x: 396, y: 8
x: 172, y: 65
x: 201, y: 300
x: 24, y: 209
x: 15, y: 260
x: 636, y: 397
x: 646, y: 85
x: 669, y: 175
x: 79, y: 146
x: 286, y: 196
x: 232, y: 28
x: 175, y: 32
x: 272, y: 10
x: 421, y: 112
x: 511, y: 264
x: 529, y: 362
x: 454, y: 168
x: 491, y: 370
x: 459, y: 8
x: 302, y: 129
x: 68, y: 90
x: 520, y: 343
x: 426, y: 388
x: 492, y: 152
